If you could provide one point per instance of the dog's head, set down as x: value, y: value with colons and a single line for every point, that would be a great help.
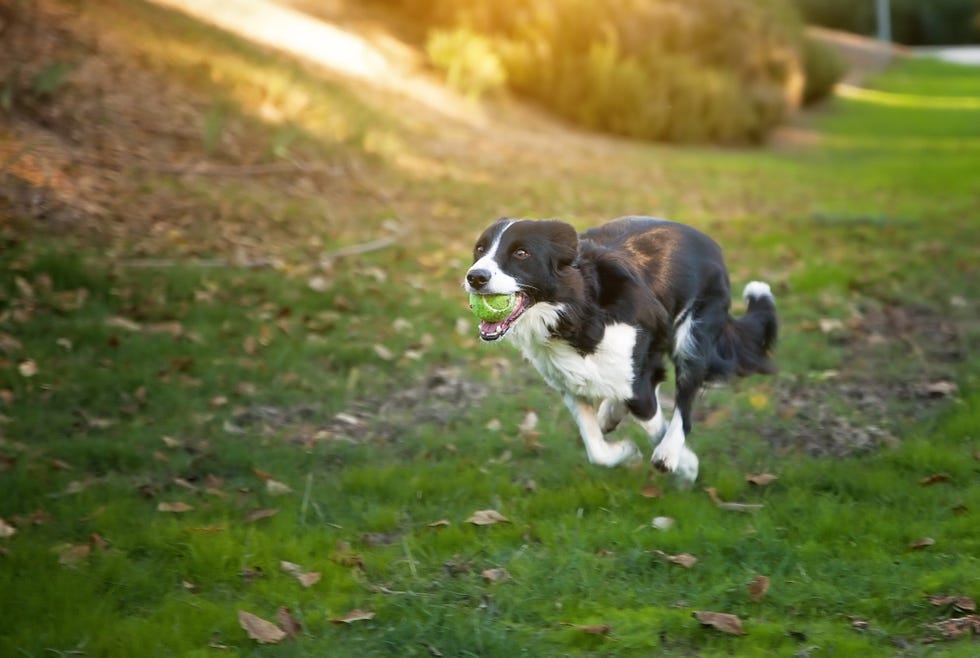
x: 522, y: 257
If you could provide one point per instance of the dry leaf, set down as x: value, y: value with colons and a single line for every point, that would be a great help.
x: 497, y: 575
x: 964, y: 603
x: 922, y: 542
x: 354, y: 615
x: 277, y: 488
x: 761, y: 479
x: 721, y: 621
x: 261, y: 513
x: 731, y: 507
x: 935, y: 478
x: 287, y: 622
x: 716, y: 417
x: 72, y: 555
x: 662, y: 523
x: 174, y: 507
x: 383, y: 352
x: 651, y: 491
x: 6, y: 530
x: 441, y: 523
x: 940, y: 389
x: 592, y: 629
x: 685, y: 560
x: 309, y: 578
x: 758, y: 588
x: 260, y: 630
x: 487, y: 517
x: 950, y: 629
x: 528, y: 426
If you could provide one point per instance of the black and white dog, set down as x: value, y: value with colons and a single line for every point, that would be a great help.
x: 597, y: 314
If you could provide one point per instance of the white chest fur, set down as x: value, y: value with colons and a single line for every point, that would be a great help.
x: 607, y: 372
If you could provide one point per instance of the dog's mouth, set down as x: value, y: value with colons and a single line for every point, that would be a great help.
x: 495, y: 330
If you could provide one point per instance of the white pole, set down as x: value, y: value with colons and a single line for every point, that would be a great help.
x: 884, y: 15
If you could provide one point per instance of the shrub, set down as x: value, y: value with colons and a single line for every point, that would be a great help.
x: 468, y: 59
x: 823, y: 69
x: 913, y: 22
x: 716, y: 70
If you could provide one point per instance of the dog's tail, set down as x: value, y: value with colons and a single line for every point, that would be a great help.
x: 745, y: 343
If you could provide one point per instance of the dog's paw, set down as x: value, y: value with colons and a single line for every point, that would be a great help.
x: 619, y: 452
x: 680, y: 461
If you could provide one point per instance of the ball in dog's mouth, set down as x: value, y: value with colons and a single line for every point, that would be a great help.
x: 497, y: 312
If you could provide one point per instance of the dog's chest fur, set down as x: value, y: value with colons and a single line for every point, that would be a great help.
x: 605, y: 372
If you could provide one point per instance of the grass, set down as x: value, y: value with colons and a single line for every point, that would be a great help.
x: 200, y: 385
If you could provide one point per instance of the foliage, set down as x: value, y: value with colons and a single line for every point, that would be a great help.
x: 823, y: 68
x: 913, y: 22
x: 471, y: 65
x: 718, y: 71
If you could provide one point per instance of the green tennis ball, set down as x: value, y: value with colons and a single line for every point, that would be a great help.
x: 492, y: 308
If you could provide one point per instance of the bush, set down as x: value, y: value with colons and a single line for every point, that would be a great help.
x: 823, y: 69
x: 713, y: 71
x: 468, y: 59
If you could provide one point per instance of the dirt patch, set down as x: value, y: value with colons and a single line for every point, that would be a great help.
x: 438, y: 399
x: 899, y: 366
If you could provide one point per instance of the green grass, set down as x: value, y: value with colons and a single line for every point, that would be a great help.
x: 866, y: 219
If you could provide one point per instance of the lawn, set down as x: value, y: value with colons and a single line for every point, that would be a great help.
x: 208, y: 405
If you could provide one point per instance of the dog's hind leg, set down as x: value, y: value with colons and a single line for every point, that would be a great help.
x: 599, y: 450
x: 611, y: 413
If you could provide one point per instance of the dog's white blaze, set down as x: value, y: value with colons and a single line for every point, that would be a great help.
x: 605, y: 373
x: 500, y: 282
x: 684, y: 341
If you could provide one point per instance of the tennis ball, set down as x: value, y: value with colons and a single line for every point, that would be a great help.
x: 492, y: 308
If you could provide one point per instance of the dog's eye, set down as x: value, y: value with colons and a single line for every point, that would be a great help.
x: 480, y: 249
x: 521, y: 254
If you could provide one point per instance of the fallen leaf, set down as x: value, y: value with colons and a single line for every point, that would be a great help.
x: 497, y: 575
x: 27, y: 368
x: 441, y: 523
x: 922, y: 542
x: 174, y: 507
x: 277, y: 488
x: 305, y: 578
x: 758, y: 588
x: 721, y: 621
x: 6, y: 530
x: 716, y: 417
x: 528, y: 426
x: 935, y: 478
x: 592, y: 629
x: 940, y: 389
x: 731, y: 507
x: 761, y: 479
x: 261, y: 513
x: 830, y: 325
x: 964, y: 603
x: 662, y: 523
x: 287, y: 622
x: 354, y: 615
x: 651, y: 491
x: 685, y: 560
x: 487, y: 517
x: 260, y: 630
x: 118, y: 322
x: 309, y: 578
x: 951, y: 629
x: 73, y: 554
x: 383, y: 353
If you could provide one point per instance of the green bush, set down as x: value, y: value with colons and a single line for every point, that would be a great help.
x: 471, y: 65
x: 823, y: 69
x: 713, y: 71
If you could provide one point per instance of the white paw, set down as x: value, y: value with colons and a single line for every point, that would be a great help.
x: 687, y: 468
x: 616, y: 453
x: 667, y: 456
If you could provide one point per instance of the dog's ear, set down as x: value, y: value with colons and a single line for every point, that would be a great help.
x: 564, y: 241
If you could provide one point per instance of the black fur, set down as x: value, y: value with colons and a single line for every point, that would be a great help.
x: 650, y: 273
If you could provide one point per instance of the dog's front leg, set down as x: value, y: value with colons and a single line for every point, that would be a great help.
x: 598, y: 449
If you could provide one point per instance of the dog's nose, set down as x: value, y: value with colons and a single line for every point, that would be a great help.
x: 478, y: 278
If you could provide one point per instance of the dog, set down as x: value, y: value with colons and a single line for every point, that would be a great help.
x: 597, y: 314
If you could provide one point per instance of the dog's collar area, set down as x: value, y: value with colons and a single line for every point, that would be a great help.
x: 490, y: 331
